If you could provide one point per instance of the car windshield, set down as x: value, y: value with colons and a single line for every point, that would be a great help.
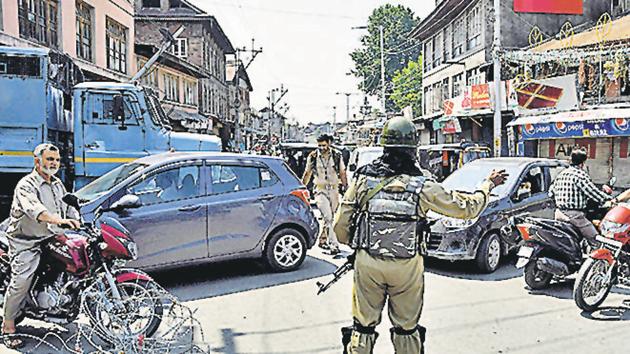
x: 105, y: 183
x: 470, y: 176
x: 366, y: 157
x: 471, y: 155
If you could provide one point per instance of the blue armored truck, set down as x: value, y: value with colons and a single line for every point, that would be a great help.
x: 97, y: 125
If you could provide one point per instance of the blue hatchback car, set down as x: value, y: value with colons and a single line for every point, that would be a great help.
x: 202, y: 207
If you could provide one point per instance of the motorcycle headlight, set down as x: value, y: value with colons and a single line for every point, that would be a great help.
x: 610, y: 228
x: 133, y: 250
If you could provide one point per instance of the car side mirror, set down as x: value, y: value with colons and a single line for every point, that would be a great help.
x: 523, y: 194
x: 118, y: 111
x: 352, y: 167
x: 129, y: 201
x: 612, y: 181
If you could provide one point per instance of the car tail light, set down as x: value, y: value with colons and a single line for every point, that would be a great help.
x: 303, y: 194
x: 523, y: 229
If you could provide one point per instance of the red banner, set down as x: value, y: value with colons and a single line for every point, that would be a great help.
x: 480, y: 96
x: 565, y: 7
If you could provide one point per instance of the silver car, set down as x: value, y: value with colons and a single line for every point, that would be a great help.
x: 201, y: 207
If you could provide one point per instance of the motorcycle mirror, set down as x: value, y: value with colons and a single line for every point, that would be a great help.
x: 129, y: 201
x: 71, y: 200
x: 612, y: 181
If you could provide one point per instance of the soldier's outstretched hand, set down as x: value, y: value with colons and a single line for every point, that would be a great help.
x: 498, y: 177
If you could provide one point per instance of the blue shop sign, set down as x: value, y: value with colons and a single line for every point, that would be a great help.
x: 579, y: 129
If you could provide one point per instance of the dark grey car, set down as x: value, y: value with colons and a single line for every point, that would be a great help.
x: 200, y: 207
x: 526, y: 191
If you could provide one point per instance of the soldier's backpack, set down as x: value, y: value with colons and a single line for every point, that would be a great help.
x: 388, y: 225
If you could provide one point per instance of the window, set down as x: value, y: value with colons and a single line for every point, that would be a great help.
x: 131, y: 116
x: 532, y: 183
x: 227, y: 179
x: 20, y: 66
x: 168, y: 185
x: 459, y: 37
x: 437, y: 50
x: 448, y: 42
x: 116, y: 46
x: 150, y: 79
x: 190, y: 92
x: 171, y: 87
x: 39, y: 20
x: 180, y: 48
x: 428, y: 55
x: 458, y: 84
x: 84, y: 31
x: 151, y: 3
x: 473, y: 20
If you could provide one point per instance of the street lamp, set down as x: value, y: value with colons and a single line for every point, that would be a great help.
x: 380, y: 31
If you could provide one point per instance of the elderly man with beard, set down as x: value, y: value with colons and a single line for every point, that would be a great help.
x: 37, y: 205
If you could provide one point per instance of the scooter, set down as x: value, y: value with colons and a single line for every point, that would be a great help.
x: 551, y: 249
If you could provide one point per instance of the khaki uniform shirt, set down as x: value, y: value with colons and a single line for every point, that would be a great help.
x: 33, y: 195
x: 433, y: 196
x: 326, y: 175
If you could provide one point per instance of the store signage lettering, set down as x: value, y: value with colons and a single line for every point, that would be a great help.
x: 480, y: 96
x: 589, y: 129
x: 565, y: 7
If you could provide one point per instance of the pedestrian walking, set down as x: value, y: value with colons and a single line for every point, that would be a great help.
x: 329, y: 171
x: 382, y: 217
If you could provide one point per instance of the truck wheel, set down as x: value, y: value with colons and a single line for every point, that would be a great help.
x: 535, y: 278
x: 489, y: 253
x: 285, y: 251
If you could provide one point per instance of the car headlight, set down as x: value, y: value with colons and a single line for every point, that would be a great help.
x: 610, y: 228
x: 133, y: 250
x: 453, y: 223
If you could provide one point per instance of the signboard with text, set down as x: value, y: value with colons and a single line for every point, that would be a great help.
x: 480, y: 96
x: 565, y: 7
x: 580, y: 129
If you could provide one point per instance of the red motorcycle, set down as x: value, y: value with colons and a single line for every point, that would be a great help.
x: 610, y: 264
x: 83, y: 270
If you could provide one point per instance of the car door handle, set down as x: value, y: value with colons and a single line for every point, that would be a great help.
x: 266, y: 197
x: 189, y: 208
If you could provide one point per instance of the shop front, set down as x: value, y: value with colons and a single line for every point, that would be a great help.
x: 602, y: 132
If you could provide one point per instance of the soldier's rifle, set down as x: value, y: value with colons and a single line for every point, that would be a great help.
x: 338, y: 274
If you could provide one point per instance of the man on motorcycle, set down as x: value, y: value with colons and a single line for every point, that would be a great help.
x: 572, y: 190
x: 36, y: 205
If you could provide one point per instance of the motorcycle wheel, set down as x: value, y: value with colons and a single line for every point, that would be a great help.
x: 536, y: 278
x: 590, y: 291
x: 137, y: 296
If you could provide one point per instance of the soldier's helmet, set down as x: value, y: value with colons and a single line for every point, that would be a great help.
x: 399, y: 132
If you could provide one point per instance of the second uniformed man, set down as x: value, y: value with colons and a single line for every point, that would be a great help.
x: 382, y: 216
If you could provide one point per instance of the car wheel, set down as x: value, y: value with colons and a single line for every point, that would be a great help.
x: 286, y: 250
x: 489, y: 253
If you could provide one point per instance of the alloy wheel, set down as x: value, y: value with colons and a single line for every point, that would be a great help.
x: 288, y: 250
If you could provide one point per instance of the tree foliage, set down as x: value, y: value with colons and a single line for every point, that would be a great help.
x: 407, y: 87
x: 398, y: 21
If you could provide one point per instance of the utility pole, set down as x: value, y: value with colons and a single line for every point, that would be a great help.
x: 497, y: 78
x: 348, y: 94
x: 272, y: 103
x: 254, y: 52
x: 380, y: 29
x: 237, y: 104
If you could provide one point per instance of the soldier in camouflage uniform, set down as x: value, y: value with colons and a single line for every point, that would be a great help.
x: 382, y: 216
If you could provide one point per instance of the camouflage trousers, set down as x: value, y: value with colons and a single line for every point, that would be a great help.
x: 327, y: 201
x: 401, y: 283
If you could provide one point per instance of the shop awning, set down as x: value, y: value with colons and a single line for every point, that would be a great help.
x: 574, y: 116
x: 593, y: 123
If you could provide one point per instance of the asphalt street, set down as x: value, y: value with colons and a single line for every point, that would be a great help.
x: 243, y: 308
